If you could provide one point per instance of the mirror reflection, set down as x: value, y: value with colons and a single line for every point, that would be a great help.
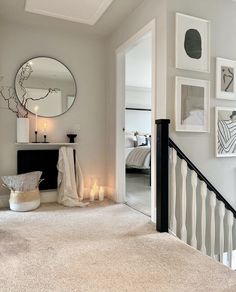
x: 47, y: 84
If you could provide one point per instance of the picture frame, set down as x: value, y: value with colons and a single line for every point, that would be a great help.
x: 192, y: 105
x: 192, y: 43
x: 225, y: 131
x: 225, y: 79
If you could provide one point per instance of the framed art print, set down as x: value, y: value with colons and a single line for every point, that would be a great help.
x: 225, y: 79
x: 192, y: 105
x: 192, y: 43
x: 225, y: 125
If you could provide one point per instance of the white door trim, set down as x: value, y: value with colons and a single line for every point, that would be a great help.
x: 120, y: 113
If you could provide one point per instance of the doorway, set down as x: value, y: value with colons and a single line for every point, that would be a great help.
x: 138, y: 121
x: 135, y: 121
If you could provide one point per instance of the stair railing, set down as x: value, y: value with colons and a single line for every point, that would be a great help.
x: 188, y: 205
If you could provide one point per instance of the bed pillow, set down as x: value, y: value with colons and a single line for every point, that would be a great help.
x: 142, y: 140
x: 129, y: 140
x: 23, y: 182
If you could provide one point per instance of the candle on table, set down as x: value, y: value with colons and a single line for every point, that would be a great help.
x: 36, y: 108
x: 45, y: 125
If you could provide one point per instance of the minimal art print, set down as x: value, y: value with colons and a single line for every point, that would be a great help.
x: 225, y: 131
x: 192, y: 43
x: 225, y: 79
x: 192, y: 105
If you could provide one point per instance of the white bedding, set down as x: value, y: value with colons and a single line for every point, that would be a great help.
x: 138, y: 157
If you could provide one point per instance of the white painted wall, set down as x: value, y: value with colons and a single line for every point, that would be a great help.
x: 85, y: 57
x: 221, y: 172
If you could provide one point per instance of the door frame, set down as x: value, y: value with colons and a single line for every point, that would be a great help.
x: 120, y: 189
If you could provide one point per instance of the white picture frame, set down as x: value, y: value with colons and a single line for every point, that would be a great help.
x: 192, y: 31
x: 192, y: 105
x: 225, y: 131
x: 225, y: 79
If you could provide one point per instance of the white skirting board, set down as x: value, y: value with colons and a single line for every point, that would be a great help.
x: 51, y: 196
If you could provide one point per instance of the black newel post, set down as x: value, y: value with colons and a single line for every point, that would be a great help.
x: 162, y: 174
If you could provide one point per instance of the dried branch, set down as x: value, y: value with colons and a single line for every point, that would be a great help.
x: 14, y: 104
x: 50, y: 90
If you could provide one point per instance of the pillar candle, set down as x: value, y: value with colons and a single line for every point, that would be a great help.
x: 36, y: 118
x: 92, y: 195
x: 101, y: 193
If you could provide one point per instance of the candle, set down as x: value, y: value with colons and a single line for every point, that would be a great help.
x: 92, y: 195
x: 36, y: 117
x: 45, y: 128
x: 101, y: 194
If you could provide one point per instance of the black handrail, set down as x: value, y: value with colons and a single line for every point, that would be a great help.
x: 202, y: 177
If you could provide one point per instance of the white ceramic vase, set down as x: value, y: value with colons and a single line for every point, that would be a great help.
x: 22, y: 130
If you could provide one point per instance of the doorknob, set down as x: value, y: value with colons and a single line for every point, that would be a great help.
x: 123, y: 129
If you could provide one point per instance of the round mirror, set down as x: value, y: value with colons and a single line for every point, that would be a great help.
x: 45, y: 85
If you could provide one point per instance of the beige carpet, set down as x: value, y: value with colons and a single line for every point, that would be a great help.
x: 104, y: 247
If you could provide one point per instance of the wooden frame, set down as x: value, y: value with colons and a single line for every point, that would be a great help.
x: 120, y: 113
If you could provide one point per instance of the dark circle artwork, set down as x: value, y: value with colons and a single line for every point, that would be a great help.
x: 193, y: 44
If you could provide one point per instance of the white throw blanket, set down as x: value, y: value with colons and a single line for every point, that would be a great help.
x: 70, y: 179
x: 137, y: 156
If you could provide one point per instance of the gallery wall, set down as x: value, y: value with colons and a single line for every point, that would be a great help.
x: 200, y: 147
x: 85, y: 57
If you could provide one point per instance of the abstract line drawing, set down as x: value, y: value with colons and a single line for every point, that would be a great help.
x: 227, y: 78
x: 226, y: 131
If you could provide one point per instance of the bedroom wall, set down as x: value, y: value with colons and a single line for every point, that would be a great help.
x: 85, y: 56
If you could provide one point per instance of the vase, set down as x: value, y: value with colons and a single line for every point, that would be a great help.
x: 22, y: 130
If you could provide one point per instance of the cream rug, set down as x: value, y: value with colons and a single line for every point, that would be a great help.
x: 104, y: 247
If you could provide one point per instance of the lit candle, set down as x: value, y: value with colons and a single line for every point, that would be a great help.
x: 101, y: 194
x: 36, y: 117
x: 45, y: 125
x: 92, y: 195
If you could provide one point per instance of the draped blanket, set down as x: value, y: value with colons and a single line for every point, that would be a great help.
x: 70, y: 179
x: 137, y: 156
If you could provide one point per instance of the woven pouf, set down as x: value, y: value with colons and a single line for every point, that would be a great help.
x: 24, y: 201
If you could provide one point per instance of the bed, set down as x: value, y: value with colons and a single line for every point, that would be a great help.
x: 138, y: 157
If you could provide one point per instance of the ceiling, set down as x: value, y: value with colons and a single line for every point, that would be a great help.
x: 114, y: 14
x: 82, y: 11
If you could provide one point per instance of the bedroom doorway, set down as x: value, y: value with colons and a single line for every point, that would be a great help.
x: 138, y: 122
x: 135, y: 121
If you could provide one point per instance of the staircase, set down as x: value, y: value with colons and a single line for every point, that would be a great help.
x: 189, y: 206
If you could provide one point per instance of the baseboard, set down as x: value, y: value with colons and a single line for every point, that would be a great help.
x: 110, y: 193
x: 51, y: 196
x: 4, y: 201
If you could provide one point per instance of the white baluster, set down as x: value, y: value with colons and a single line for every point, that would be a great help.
x: 230, y: 222
x: 221, y: 232
x: 183, y: 232
x: 194, y: 180
x: 212, y: 220
x: 173, y: 222
x: 203, y: 217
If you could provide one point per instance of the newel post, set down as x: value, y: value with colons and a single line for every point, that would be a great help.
x: 162, y: 175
